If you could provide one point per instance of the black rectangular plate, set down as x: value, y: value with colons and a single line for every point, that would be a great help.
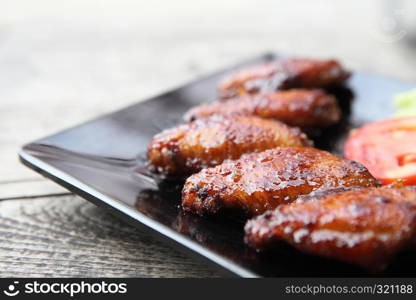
x: 98, y: 160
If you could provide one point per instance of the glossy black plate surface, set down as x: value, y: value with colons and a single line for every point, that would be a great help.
x: 99, y: 161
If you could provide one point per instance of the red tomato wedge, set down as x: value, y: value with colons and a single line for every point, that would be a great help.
x: 387, y: 148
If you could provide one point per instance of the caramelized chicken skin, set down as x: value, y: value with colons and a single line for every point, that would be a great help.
x: 259, y: 182
x: 298, y: 107
x: 191, y: 147
x: 283, y: 74
x: 364, y: 226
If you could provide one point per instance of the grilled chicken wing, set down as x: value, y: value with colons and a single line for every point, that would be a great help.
x: 259, y: 182
x: 191, y: 147
x: 299, y: 107
x: 365, y: 226
x: 283, y: 74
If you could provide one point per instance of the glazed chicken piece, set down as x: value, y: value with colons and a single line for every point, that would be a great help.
x: 298, y: 107
x: 189, y: 148
x: 283, y: 74
x: 259, y: 182
x: 364, y: 226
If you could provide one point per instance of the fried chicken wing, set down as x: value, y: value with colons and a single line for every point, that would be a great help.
x: 259, y: 182
x: 283, y: 74
x: 191, y: 147
x: 364, y: 226
x: 298, y: 107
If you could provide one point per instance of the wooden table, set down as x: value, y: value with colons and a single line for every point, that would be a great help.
x: 65, y: 62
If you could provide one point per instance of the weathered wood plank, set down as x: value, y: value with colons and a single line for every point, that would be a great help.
x: 68, y: 236
x: 30, y: 188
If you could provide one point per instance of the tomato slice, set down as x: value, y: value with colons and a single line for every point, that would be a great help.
x: 387, y: 148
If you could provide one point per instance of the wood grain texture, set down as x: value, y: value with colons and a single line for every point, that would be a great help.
x: 29, y: 188
x: 62, y: 63
x: 68, y: 236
